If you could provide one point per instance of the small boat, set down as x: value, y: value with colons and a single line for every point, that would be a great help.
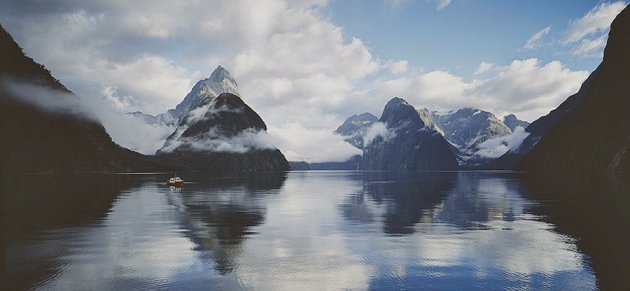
x: 175, y: 181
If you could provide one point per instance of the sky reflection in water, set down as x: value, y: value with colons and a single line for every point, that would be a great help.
x: 296, y: 230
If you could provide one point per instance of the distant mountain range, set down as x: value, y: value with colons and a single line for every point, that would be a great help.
x: 407, y: 143
x: 587, y: 133
x: 465, y: 130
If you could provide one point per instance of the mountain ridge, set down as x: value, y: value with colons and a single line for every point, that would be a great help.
x: 407, y: 144
x: 593, y: 135
x: 34, y: 140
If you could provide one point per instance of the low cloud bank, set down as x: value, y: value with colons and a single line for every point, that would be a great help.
x: 496, y: 147
x: 214, y: 141
x: 299, y: 143
x: 47, y: 99
x: 377, y: 129
x: 126, y: 130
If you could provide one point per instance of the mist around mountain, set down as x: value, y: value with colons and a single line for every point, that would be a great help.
x: 354, y: 129
x: 216, y: 130
x: 512, y: 122
x: 405, y: 143
x: 223, y: 134
x: 45, y: 128
x: 469, y: 130
x: 475, y: 136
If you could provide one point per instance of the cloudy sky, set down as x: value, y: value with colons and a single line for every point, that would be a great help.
x: 306, y: 65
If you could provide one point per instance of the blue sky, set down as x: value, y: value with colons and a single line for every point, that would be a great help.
x: 306, y: 65
x: 463, y: 34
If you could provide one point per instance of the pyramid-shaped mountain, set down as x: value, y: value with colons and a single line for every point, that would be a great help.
x: 407, y: 143
x: 220, y: 132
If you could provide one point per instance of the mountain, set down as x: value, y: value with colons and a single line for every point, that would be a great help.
x: 222, y: 134
x: 355, y: 128
x: 467, y: 129
x: 591, y: 129
x: 407, y: 144
x: 431, y: 120
x: 539, y: 127
x: 36, y: 138
x: 220, y: 81
x: 512, y: 122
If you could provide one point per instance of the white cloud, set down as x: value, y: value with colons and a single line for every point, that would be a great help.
x: 110, y: 93
x: 591, y: 47
x: 441, y: 4
x: 587, y: 35
x: 292, y: 63
x: 245, y: 141
x: 494, y: 148
x: 399, y: 67
x: 483, y: 67
x: 524, y: 87
x: 597, y: 20
x: 47, y: 99
x: 300, y: 143
x: 297, y: 69
x: 534, y: 41
x: 125, y: 129
x: 377, y: 129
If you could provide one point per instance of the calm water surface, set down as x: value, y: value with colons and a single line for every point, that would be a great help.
x: 296, y: 230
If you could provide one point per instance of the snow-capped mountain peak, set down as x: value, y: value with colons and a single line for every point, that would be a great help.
x: 204, y: 91
x: 220, y: 81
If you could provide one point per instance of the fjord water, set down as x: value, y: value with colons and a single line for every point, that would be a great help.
x: 300, y: 230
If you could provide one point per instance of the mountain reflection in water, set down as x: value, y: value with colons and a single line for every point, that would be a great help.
x: 472, y: 230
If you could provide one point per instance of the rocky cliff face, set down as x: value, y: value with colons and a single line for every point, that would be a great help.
x: 34, y: 139
x: 539, y: 127
x: 476, y: 136
x: 220, y: 81
x: 513, y: 122
x: 406, y: 143
x: 467, y: 129
x: 591, y: 128
x: 223, y: 134
x: 355, y: 128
